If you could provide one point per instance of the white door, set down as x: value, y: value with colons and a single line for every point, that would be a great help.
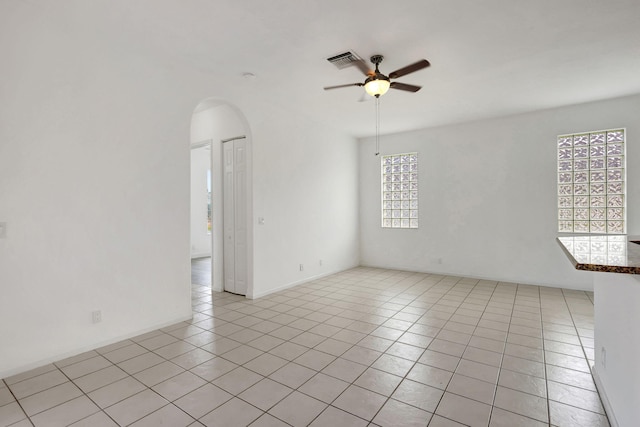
x: 234, y: 154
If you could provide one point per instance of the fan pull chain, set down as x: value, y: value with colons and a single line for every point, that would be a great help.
x: 377, y: 125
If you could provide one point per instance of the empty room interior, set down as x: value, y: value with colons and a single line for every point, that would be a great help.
x: 326, y: 213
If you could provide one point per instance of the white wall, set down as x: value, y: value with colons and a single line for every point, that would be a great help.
x: 617, y: 373
x: 200, y: 235
x: 488, y: 195
x: 94, y: 185
x: 306, y: 189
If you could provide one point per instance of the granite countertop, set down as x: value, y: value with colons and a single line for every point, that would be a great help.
x: 606, y: 253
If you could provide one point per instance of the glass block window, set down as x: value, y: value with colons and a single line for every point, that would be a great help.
x: 591, y: 182
x: 400, y: 190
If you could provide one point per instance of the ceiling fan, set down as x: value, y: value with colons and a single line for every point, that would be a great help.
x: 377, y: 84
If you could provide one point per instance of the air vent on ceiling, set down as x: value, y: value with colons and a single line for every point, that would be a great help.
x: 344, y: 60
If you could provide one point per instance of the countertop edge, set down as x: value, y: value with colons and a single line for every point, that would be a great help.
x: 602, y: 268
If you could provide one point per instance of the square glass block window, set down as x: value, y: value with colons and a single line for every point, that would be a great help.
x: 399, y: 174
x: 591, y: 182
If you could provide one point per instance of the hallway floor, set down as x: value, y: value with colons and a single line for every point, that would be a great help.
x: 363, y: 347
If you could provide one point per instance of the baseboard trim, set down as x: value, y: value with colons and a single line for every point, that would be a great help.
x: 605, y: 400
x: 84, y: 349
x: 296, y: 283
x: 201, y: 255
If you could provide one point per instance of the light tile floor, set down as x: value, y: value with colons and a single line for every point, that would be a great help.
x: 363, y: 347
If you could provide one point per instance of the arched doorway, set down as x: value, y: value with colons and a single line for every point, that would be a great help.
x: 216, y: 124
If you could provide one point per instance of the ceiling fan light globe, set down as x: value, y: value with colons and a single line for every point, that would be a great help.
x: 377, y: 87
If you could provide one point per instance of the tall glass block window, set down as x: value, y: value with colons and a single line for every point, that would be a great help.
x: 591, y: 182
x: 400, y: 190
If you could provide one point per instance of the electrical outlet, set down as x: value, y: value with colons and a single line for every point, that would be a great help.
x: 301, y: 267
x: 96, y: 316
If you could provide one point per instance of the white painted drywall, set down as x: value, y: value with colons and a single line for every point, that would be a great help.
x: 306, y: 189
x: 200, y: 235
x: 487, y: 194
x: 94, y: 187
x: 617, y: 374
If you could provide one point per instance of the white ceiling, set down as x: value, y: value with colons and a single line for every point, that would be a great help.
x: 489, y: 58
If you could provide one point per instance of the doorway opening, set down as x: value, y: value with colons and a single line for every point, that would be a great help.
x: 201, y: 214
x: 216, y: 124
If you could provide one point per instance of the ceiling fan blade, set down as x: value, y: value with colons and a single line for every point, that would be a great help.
x: 363, y: 67
x: 423, y: 63
x: 404, y: 86
x: 347, y: 85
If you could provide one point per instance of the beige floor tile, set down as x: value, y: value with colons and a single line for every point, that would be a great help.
x: 174, y: 349
x: 567, y: 416
x: 397, y: 414
x: 192, y: 358
x: 117, y: 391
x: 375, y: 343
x: 298, y: 409
x: 360, y: 402
x: 124, y: 353
x: 203, y: 400
x: 265, y: 342
x: 234, y: 413
x: 135, y: 407
x: 466, y: 411
x: 265, y: 394
x: 315, y: 359
x: 178, y: 386
x: 308, y: 339
x: 49, y: 398
x: 472, y: 388
x: 378, y: 381
x: 99, y: 419
x: 570, y: 377
x: 37, y: 383
x: 565, y: 361
x: 221, y: 346
x: 522, y: 403
x: 333, y: 347
x: 140, y: 363
x: 100, y: 378
x: 502, y: 418
x: 430, y: 375
x: 417, y: 394
x: 293, y: 375
x: 344, y: 369
x: 447, y: 347
x: 521, y: 382
x: 11, y: 413
x: 332, y: 417
x: 167, y: 415
x: 323, y: 387
x: 30, y: 374
x: 237, y: 380
x: 158, y: 373
x: 440, y: 421
x: 439, y: 360
x: 66, y: 413
x: 242, y: 354
x: 574, y: 396
x: 213, y: 368
x: 523, y: 366
x: 267, y: 420
x: 393, y: 365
